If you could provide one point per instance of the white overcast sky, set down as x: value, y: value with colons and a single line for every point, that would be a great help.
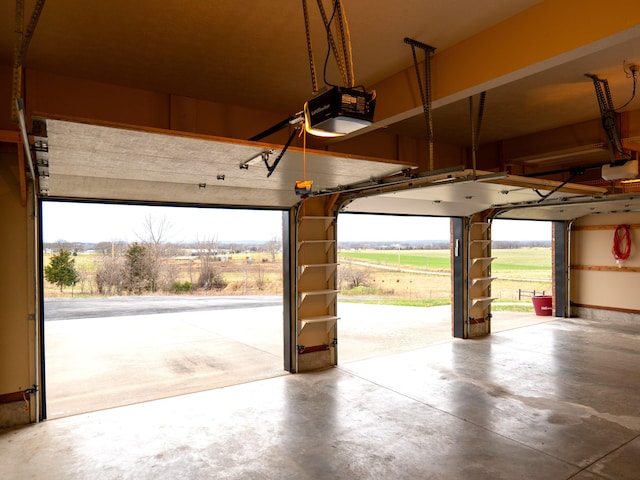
x: 86, y: 222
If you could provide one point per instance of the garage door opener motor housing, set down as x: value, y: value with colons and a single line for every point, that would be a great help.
x: 339, y: 111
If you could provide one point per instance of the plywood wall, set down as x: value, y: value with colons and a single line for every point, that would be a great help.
x: 15, y: 283
x: 596, y: 279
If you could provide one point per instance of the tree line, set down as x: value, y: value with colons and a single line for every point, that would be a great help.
x: 145, y: 265
x: 437, y: 245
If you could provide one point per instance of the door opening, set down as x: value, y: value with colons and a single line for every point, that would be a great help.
x: 523, y: 270
x: 145, y: 302
x: 394, y: 277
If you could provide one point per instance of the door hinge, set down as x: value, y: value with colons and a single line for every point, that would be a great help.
x: 334, y: 343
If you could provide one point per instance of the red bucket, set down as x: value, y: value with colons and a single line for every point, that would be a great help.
x: 542, y: 304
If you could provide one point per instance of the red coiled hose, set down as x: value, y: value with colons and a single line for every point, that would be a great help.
x: 621, y: 243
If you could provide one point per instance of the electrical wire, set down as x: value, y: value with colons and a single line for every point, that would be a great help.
x: 344, y: 59
x: 621, y: 248
x: 340, y: 44
x: 634, y: 75
x: 330, y: 44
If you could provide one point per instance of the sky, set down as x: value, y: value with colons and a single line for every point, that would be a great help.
x: 90, y: 223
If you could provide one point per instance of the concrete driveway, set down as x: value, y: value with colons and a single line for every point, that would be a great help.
x: 103, y: 353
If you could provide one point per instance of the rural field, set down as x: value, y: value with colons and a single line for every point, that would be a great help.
x: 423, y: 276
x: 404, y: 277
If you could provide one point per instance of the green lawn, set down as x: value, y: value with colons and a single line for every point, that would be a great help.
x: 432, y: 259
x: 508, y: 260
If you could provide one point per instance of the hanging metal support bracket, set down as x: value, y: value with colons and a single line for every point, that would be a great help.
x: 574, y: 174
x: 22, y: 40
x: 264, y: 156
x: 272, y: 168
x: 425, y: 88
x: 475, y: 128
x: 608, y: 116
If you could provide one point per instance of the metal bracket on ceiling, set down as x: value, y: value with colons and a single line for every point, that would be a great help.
x: 264, y: 156
x: 475, y: 127
x: 425, y: 88
x: 272, y: 168
x: 608, y: 116
x: 573, y: 175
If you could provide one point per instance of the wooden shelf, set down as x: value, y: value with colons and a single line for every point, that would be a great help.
x: 328, y: 220
x: 330, y: 268
x: 482, y: 279
x: 327, y: 243
x: 475, y: 301
x: 482, y: 259
x: 330, y: 321
x: 484, y: 242
x: 317, y: 293
x: 482, y: 225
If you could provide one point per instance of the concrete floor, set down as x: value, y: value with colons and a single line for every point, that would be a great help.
x: 556, y: 400
x: 98, y: 362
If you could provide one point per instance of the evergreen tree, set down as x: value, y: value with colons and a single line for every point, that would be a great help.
x: 61, y: 270
x: 137, y: 265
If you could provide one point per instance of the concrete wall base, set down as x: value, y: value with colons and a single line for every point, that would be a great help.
x: 597, y: 314
x: 478, y: 328
x: 314, y: 361
x: 13, y: 414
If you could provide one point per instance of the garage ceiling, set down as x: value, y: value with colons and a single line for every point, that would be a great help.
x: 255, y: 55
x: 252, y: 53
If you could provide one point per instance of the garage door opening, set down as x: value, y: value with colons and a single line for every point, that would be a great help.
x: 146, y: 302
x: 394, y: 277
x: 522, y: 269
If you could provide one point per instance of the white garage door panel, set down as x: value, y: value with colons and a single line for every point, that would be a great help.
x: 100, y: 162
x: 397, y: 205
x: 484, y: 191
x: 621, y: 203
x: 90, y: 188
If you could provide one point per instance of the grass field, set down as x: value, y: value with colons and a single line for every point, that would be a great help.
x: 401, y: 277
x: 511, y: 260
x: 422, y: 277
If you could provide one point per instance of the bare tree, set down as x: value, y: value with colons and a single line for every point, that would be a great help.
x: 261, y: 278
x: 273, y: 246
x: 110, y: 273
x: 351, y: 276
x: 155, y: 260
x: 210, y: 276
x: 84, y: 278
x: 155, y: 229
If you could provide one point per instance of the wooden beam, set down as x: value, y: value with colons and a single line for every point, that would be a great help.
x: 330, y: 203
x: 578, y: 228
x: 10, y: 136
x: 503, y: 53
x: 631, y: 145
x: 605, y: 268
